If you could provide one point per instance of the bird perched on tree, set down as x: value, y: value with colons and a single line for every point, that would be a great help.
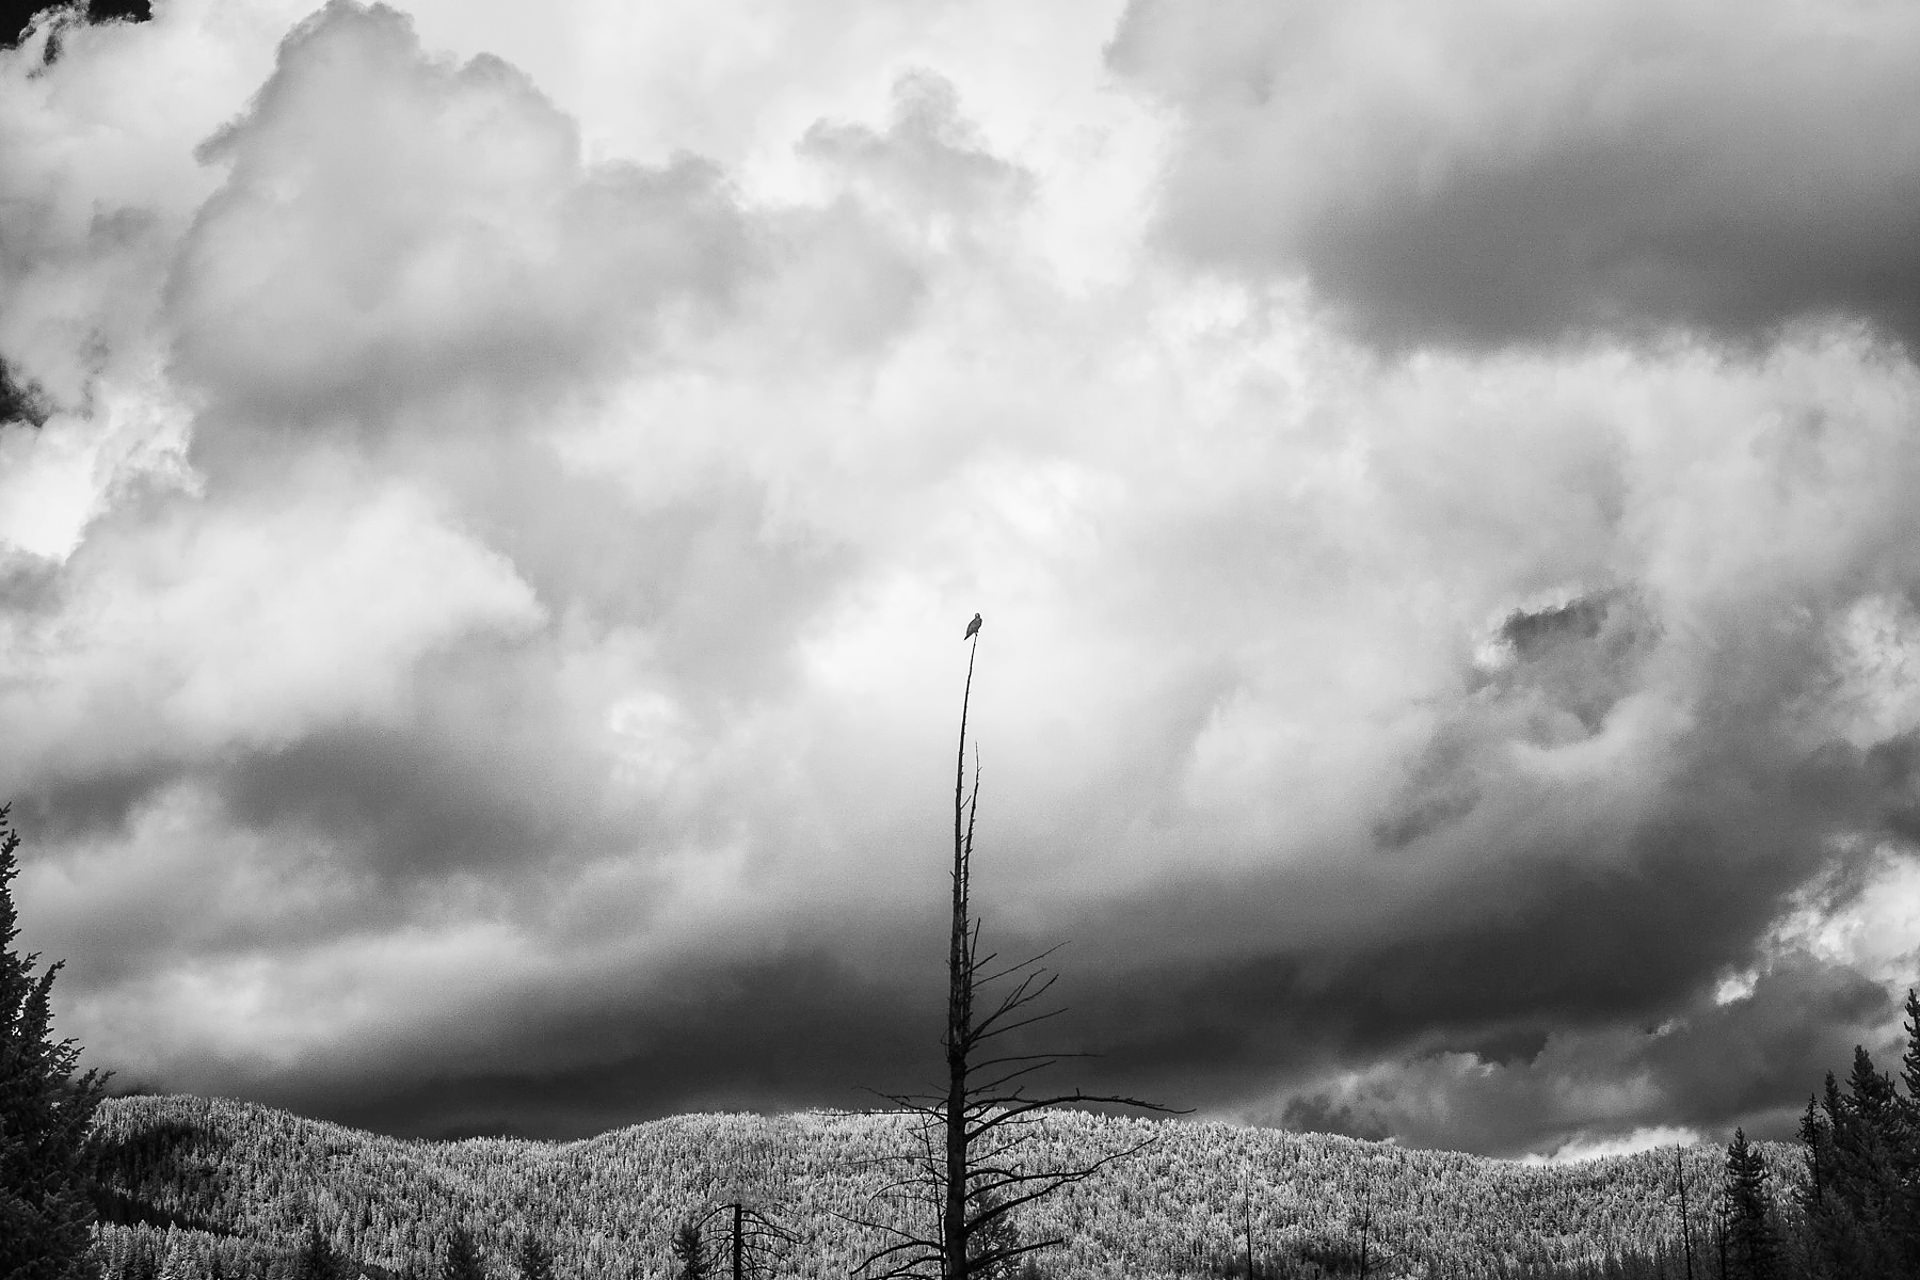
x: 972, y: 627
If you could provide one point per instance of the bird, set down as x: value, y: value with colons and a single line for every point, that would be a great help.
x: 972, y: 628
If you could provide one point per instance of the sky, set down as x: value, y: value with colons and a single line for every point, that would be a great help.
x: 493, y: 492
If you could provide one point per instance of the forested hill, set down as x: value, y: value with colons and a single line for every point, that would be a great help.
x: 228, y: 1188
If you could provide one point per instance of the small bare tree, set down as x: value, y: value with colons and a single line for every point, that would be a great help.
x: 971, y: 1162
x: 1680, y: 1190
x: 753, y: 1242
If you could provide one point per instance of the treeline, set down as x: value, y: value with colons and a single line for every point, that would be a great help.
x: 176, y: 1253
x: 224, y: 1184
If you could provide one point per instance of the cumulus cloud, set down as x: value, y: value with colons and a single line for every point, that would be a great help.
x: 395, y: 230
x: 481, y: 615
x: 1484, y: 173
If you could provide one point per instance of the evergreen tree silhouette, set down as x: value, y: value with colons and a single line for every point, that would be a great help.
x: 462, y: 1261
x: 690, y: 1251
x: 46, y: 1113
x: 534, y: 1260
x: 317, y: 1260
x: 1752, y: 1247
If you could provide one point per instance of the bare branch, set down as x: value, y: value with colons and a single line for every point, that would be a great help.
x: 1025, y: 1022
x: 1028, y: 963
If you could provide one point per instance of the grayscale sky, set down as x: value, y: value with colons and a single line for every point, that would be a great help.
x: 480, y: 620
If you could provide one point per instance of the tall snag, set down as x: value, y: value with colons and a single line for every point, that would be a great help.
x: 971, y: 1161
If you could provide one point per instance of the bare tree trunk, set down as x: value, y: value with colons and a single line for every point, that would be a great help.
x: 1246, y: 1208
x: 758, y: 1241
x: 1686, y: 1228
x: 953, y: 1222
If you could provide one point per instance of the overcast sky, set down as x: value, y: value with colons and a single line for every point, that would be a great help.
x: 481, y: 608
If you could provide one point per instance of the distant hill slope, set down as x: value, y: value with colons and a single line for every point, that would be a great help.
x: 242, y: 1181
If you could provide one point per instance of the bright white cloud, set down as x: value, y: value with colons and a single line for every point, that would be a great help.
x: 1580, y: 1150
x: 245, y: 627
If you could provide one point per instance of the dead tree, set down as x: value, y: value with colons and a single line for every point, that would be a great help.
x: 1246, y: 1207
x: 1365, y: 1223
x: 971, y: 1159
x: 1686, y: 1225
x: 754, y: 1242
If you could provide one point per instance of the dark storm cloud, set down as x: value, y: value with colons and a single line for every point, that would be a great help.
x: 1484, y: 172
x: 790, y: 1031
x: 1801, y: 1020
x: 1549, y: 675
x: 1558, y: 936
x: 64, y: 808
x: 1496, y: 1030
x: 1532, y: 632
x: 408, y: 800
x: 1752, y: 1061
x: 19, y: 19
x: 20, y: 400
x: 1893, y: 775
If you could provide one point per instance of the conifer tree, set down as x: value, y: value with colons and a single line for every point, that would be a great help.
x: 46, y: 1112
x: 1906, y: 1152
x: 180, y: 1262
x: 690, y: 1251
x: 1837, y: 1242
x: 535, y: 1260
x: 462, y: 1261
x: 1817, y: 1137
x: 1865, y: 1142
x: 317, y: 1260
x: 1752, y: 1247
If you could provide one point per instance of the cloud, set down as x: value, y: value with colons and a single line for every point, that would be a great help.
x: 1580, y: 1150
x: 187, y: 635
x: 393, y: 230
x: 1606, y: 1091
x: 481, y: 614
x: 931, y: 154
x: 1488, y: 172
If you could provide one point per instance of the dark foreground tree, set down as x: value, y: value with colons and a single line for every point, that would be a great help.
x: 535, y: 1259
x: 690, y: 1252
x: 972, y: 1168
x: 1752, y: 1247
x: 1861, y: 1203
x: 462, y: 1258
x: 46, y: 1113
x: 317, y: 1259
x: 1686, y: 1220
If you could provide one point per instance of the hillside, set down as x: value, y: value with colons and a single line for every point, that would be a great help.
x: 237, y: 1184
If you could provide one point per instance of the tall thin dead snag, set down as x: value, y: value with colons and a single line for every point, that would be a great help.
x: 971, y: 1160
